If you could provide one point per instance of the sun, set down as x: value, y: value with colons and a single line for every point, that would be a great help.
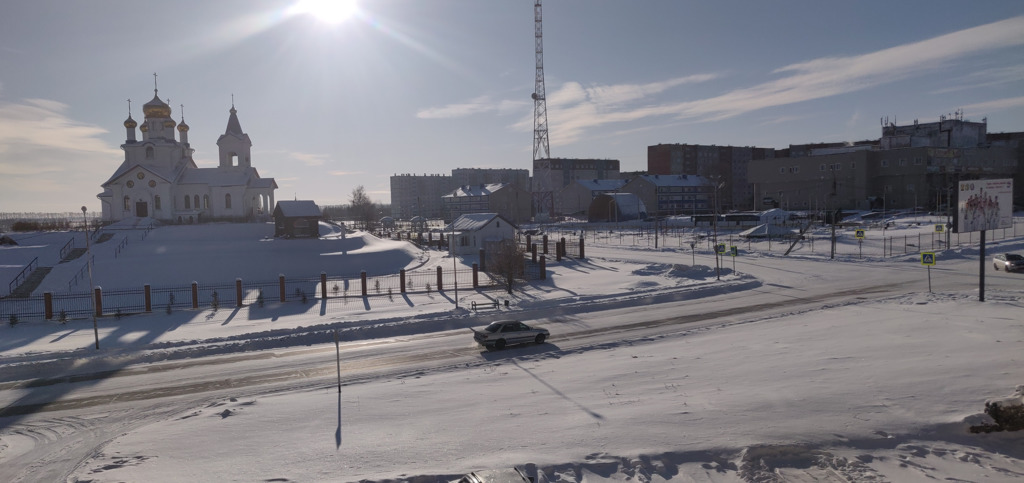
x: 329, y: 11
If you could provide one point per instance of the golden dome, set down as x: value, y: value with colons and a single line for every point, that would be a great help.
x: 144, y: 128
x: 130, y: 123
x: 183, y: 127
x: 156, y: 108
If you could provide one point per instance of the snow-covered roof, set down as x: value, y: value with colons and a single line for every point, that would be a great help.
x: 676, y: 180
x: 628, y: 204
x: 298, y: 208
x: 602, y: 184
x: 767, y: 230
x: 217, y: 176
x: 475, y: 221
x: 476, y: 190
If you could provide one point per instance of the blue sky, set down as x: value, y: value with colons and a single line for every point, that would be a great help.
x: 424, y: 86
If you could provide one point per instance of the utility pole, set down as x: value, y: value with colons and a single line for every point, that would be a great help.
x: 543, y: 201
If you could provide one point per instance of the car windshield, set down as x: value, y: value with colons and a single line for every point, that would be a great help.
x: 1014, y: 257
x: 494, y: 327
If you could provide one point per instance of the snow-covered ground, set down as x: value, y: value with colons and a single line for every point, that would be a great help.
x: 790, y: 368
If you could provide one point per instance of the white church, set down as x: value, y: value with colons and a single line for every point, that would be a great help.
x: 159, y: 179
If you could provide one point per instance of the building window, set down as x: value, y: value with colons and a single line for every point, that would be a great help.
x: 127, y: 203
x: 196, y: 201
x: 206, y: 202
x: 822, y: 167
x: 839, y: 166
x: 903, y: 162
x: 917, y: 161
x: 782, y: 170
x: 156, y: 202
x: 885, y: 163
x: 149, y: 152
x: 794, y: 169
x: 188, y: 203
x: 227, y: 201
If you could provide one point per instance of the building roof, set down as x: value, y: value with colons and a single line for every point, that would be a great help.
x: 474, y: 222
x: 602, y: 184
x: 298, y: 208
x: 676, y: 180
x: 476, y: 190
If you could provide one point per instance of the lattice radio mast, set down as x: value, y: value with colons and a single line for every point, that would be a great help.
x: 542, y: 195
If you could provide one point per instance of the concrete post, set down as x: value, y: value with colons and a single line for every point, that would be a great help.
x: 401, y: 280
x: 323, y: 285
x: 149, y: 297
x: 545, y: 246
x: 48, y: 304
x: 440, y: 280
x: 238, y: 292
x: 195, y: 295
x: 476, y: 276
x: 280, y: 282
x: 362, y: 280
x: 99, y: 301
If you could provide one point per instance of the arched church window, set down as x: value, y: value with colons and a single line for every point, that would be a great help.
x: 156, y: 202
x: 188, y: 203
x: 196, y: 201
x: 127, y: 203
x: 149, y: 152
x: 206, y: 202
x: 227, y: 201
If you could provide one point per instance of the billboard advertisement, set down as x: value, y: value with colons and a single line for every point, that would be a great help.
x: 984, y: 204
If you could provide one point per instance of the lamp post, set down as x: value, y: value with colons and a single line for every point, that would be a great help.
x: 92, y: 289
x: 718, y: 270
x: 455, y: 270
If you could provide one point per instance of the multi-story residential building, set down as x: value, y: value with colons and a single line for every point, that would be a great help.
x: 419, y: 195
x: 504, y: 199
x: 476, y: 176
x: 576, y: 198
x: 567, y: 170
x: 910, y: 166
x: 727, y: 164
x: 674, y: 194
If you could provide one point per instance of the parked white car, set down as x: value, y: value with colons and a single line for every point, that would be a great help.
x: 499, y: 334
x: 1011, y: 262
x: 511, y: 475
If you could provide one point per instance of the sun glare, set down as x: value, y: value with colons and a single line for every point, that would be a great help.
x: 329, y: 11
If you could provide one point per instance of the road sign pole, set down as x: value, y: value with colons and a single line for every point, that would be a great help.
x: 929, y: 279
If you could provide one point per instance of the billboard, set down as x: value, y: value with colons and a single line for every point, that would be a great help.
x: 984, y: 204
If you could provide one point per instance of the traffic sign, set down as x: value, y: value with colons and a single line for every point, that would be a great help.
x: 939, y: 228
x: 928, y: 258
x: 735, y: 251
x: 859, y: 234
x: 720, y: 248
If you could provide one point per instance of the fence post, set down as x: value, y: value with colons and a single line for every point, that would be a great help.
x: 544, y: 239
x: 558, y: 250
x: 323, y: 285
x: 528, y: 242
x: 401, y: 280
x: 362, y: 281
x: 98, y: 294
x: 476, y: 279
x: 543, y: 268
x: 238, y: 292
x: 533, y: 253
x: 280, y: 281
x: 149, y: 297
x: 582, y: 256
x: 195, y: 295
x: 48, y: 302
x: 440, y: 281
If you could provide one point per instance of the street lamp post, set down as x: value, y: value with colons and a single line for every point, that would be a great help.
x: 92, y: 288
x: 718, y: 270
x: 455, y: 270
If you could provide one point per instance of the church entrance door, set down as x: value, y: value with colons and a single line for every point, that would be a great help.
x: 141, y: 209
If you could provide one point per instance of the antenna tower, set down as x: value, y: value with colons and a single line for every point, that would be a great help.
x: 542, y: 195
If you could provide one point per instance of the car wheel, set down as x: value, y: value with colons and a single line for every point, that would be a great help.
x: 540, y: 338
x: 995, y: 267
x: 499, y: 344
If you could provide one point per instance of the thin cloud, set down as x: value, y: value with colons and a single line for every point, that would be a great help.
x: 574, y: 109
x: 995, y: 105
x: 479, y: 105
x: 310, y: 159
x: 986, y: 78
x: 345, y: 173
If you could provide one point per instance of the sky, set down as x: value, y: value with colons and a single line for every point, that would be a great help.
x: 404, y: 87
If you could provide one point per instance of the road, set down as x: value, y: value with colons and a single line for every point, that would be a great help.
x: 53, y: 423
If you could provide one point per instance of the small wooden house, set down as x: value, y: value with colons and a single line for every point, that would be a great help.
x: 478, y: 230
x: 297, y: 219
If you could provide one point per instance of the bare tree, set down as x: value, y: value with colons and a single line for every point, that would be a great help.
x: 363, y: 211
x: 508, y: 262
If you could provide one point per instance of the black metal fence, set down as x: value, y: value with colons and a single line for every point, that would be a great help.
x: 71, y: 305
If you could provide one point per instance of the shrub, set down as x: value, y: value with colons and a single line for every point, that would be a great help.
x: 376, y: 286
x: 62, y: 317
x: 391, y: 296
x: 214, y: 301
x: 13, y: 320
x: 1007, y: 418
x: 259, y: 298
x: 335, y: 289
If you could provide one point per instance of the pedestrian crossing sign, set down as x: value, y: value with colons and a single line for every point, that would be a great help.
x: 859, y: 234
x: 928, y: 258
x: 940, y: 228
